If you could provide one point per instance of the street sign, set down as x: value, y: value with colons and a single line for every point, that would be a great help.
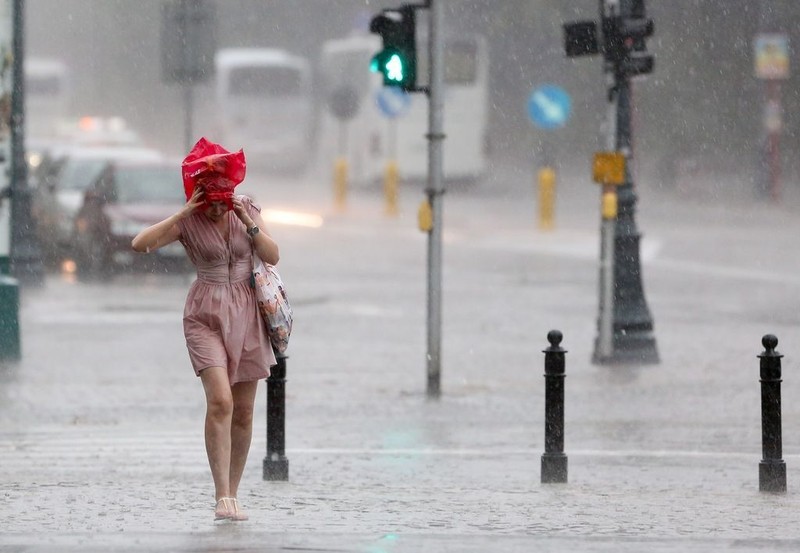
x: 772, y: 56
x: 549, y: 107
x: 609, y: 168
x: 188, y: 41
x: 392, y: 101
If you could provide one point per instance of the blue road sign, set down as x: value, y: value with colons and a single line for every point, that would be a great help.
x: 549, y: 107
x: 392, y: 102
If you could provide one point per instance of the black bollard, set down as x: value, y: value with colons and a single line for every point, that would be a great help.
x: 276, y: 465
x: 771, y: 469
x: 554, y: 462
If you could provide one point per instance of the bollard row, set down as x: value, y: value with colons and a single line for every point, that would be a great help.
x: 771, y: 469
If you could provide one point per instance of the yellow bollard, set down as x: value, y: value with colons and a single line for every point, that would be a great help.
x: 425, y: 216
x: 340, y: 183
x: 390, y: 187
x: 547, y: 198
x: 608, y: 204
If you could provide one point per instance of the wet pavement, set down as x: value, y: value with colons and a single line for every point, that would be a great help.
x: 101, y: 443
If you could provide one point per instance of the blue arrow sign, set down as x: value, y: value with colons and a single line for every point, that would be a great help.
x: 392, y: 102
x: 549, y: 107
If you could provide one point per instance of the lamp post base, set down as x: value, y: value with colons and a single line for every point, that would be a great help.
x: 629, y: 349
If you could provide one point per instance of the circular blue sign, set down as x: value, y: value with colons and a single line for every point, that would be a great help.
x: 549, y: 107
x: 392, y: 102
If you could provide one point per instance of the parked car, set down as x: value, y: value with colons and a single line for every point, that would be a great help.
x: 60, y: 181
x: 124, y: 199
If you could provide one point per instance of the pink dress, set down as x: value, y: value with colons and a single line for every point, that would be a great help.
x: 221, y: 322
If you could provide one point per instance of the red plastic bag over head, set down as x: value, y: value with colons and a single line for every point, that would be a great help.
x: 214, y: 168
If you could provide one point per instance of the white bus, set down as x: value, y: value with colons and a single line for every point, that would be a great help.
x: 371, y: 136
x: 265, y: 102
x: 47, y: 96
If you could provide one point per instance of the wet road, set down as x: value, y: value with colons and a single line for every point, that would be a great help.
x: 101, y: 423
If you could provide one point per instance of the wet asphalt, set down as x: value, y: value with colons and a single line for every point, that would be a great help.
x: 101, y: 439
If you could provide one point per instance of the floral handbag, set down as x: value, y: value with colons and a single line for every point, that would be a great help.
x: 273, y: 304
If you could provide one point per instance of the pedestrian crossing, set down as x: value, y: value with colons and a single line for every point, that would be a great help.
x: 131, y: 450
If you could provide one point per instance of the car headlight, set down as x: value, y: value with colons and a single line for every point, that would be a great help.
x: 126, y: 228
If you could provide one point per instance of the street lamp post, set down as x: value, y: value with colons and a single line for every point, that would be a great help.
x: 632, y: 324
x: 625, y: 327
x: 25, y: 254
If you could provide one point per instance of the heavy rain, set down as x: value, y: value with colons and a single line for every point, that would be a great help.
x: 646, y: 213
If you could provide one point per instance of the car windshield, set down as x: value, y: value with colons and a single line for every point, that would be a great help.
x: 149, y: 185
x: 78, y: 174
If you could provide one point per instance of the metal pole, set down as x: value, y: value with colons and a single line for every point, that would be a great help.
x: 434, y: 191
x: 186, y: 11
x: 633, y: 325
x: 774, y: 116
x: 25, y: 255
x: 188, y: 107
x: 604, y: 344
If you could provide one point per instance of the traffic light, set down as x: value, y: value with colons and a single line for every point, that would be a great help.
x: 397, y: 61
x: 624, y: 39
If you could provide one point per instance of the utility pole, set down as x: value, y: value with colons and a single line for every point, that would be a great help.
x: 188, y: 45
x: 25, y: 254
x: 625, y: 326
x: 435, y: 191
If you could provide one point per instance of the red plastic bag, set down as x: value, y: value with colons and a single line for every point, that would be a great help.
x: 216, y: 169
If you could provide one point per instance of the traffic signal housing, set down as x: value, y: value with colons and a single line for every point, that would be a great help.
x: 397, y: 61
x: 622, y: 42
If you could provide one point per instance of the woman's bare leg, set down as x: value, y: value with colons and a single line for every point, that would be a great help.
x: 219, y: 410
x: 244, y: 398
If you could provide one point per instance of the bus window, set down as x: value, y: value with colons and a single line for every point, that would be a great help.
x: 460, y: 65
x: 44, y: 86
x: 265, y: 81
x: 265, y: 105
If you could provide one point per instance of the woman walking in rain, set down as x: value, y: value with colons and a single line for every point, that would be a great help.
x: 227, y: 341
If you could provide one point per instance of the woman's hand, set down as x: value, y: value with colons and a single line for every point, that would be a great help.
x: 194, y: 202
x: 241, y: 212
x: 166, y: 231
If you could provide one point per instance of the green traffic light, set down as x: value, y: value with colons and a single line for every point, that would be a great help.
x: 391, y: 64
x: 394, y: 68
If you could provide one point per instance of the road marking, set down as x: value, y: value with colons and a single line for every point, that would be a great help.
x: 70, y: 446
x: 106, y: 317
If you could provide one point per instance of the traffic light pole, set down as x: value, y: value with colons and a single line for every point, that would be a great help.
x: 604, y: 344
x: 434, y: 191
x: 633, y: 340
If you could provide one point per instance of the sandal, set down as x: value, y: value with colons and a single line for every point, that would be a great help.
x: 224, y: 509
x: 237, y: 514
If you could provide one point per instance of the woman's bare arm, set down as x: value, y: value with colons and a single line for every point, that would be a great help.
x: 166, y: 231
x: 266, y: 248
